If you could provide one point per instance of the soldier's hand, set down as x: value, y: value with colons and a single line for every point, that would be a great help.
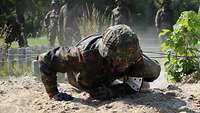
x: 101, y: 93
x: 62, y: 97
x: 197, y: 101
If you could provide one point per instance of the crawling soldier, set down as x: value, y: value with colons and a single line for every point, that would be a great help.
x: 96, y: 62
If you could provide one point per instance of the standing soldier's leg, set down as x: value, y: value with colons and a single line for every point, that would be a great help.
x: 22, y: 41
x: 77, y: 36
x: 68, y: 37
x: 60, y: 40
x: 51, y: 38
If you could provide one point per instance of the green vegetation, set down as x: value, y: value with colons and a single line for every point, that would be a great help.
x: 14, y: 70
x: 33, y: 42
x: 181, y: 47
x: 143, y: 11
x: 92, y: 22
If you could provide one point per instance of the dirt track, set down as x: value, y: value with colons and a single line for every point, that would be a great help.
x: 27, y: 95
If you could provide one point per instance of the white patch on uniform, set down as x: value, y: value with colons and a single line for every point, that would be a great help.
x: 135, y: 83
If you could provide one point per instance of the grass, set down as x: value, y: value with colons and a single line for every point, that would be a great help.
x: 32, y: 42
x: 93, y: 22
x: 14, y: 70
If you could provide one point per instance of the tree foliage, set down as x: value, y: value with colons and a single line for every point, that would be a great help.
x: 181, y: 46
x: 143, y: 11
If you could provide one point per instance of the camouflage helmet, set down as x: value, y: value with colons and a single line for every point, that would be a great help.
x: 119, y: 42
x: 166, y: 2
x: 54, y: 1
x: 119, y: 0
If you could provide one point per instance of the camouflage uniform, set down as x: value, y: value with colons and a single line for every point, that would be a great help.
x: 68, y: 23
x: 51, y: 22
x: 164, y: 17
x: 13, y: 32
x: 96, y: 62
x: 121, y: 15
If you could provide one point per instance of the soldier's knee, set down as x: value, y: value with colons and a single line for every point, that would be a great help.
x: 152, y: 70
x: 156, y: 68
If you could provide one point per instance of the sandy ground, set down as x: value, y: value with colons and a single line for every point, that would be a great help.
x: 27, y: 95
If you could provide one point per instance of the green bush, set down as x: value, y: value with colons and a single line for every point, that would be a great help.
x: 181, y: 47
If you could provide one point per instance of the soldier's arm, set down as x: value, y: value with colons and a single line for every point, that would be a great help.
x: 46, y: 19
x: 60, y: 22
x: 112, y: 19
x: 157, y: 19
x: 56, y: 60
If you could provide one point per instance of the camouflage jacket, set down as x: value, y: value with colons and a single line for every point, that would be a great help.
x: 51, y: 19
x: 86, y: 68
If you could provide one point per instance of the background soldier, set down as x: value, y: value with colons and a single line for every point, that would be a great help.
x: 164, y: 17
x: 21, y: 19
x: 68, y: 22
x: 13, y: 32
x: 121, y: 14
x: 96, y: 62
x: 51, y: 22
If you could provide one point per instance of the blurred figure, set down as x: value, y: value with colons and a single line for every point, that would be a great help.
x: 21, y: 20
x: 164, y: 18
x: 69, y: 32
x: 13, y: 32
x: 121, y: 14
x: 51, y: 22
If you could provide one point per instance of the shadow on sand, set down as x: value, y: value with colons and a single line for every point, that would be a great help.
x: 151, y: 99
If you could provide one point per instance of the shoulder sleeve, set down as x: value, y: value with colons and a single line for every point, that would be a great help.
x: 57, y: 60
x: 157, y: 18
x: 61, y: 59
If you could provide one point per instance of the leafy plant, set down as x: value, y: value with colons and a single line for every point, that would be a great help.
x: 181, y: 47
